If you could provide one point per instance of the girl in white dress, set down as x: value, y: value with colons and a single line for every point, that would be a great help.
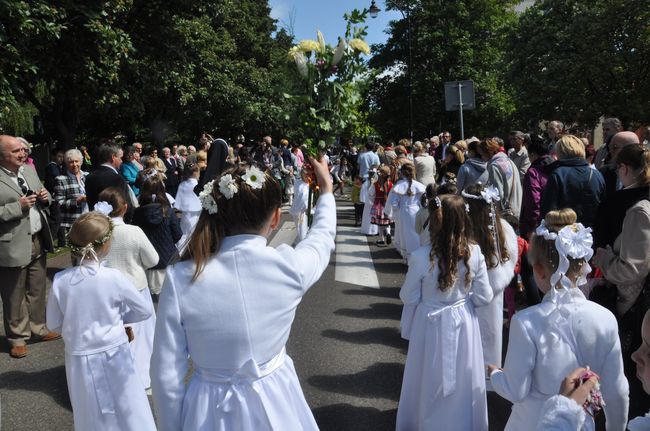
x: 90, y: 304
x: 564, y: 412
x: 444, y: 378
x: 564, y: 332
x: 405, y: 200
x: 187, y: 202
x: 132, y: 254
x: 229, y: 306
x: 368, y: 198
x: 298, y: 209
x: 499, y: 247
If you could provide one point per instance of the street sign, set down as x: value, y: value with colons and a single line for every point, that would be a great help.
x: 459, y: 96
x: 453, y: 98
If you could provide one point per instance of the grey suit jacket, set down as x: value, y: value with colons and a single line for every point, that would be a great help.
x: 15, y: 235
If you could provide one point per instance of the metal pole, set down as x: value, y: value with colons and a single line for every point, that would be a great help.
x: 460, y: 110
x: 408, y: 19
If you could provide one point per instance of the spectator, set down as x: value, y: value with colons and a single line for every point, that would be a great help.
x: 502, y: 174
x: 70, y: 189
x: 171, y: 171
x: 106, y: 175
x: 518, y: 153
x: 367, y: 160
x: 572, y: 183
x: 452, y: 162
x: 26, y: 239
x: 535, y: 181
x: 425, y: 165
x: 473, y: 170
x: 28, y: 150
x: 555, y: 130
x: 611, y: 126
x: 618, y: 141
x: 130, y: 169
x: 53, y: 170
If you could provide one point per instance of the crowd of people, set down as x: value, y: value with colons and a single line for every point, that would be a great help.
x: 478, y: 223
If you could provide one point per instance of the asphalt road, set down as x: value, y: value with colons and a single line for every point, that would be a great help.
x: 345, y: 344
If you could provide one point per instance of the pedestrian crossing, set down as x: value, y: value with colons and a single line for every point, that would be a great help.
x: 353, y: 258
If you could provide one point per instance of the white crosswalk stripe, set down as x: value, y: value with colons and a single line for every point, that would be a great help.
x: 353, y: 259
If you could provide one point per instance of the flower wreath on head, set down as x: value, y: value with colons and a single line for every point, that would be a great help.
x: 105, y: 209
x: 253, y: 177
x: 490, y: 195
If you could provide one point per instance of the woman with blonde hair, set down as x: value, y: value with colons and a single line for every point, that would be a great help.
x: 565, y: 331
x: 572, y: 183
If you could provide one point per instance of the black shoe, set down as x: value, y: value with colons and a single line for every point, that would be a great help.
x: 389, y: 239
x: 380, y: 244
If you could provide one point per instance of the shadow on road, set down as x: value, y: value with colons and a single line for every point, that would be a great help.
x: 384, y: 292
x: 51, y: 382
x: 387, y: 336
x: 379, y: 310
x: 380, y: 380
x: 339, y: 417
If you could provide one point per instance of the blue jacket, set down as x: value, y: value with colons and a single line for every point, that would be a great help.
x: 572, y: 183
x: 163, y: 230
x: 130, y: 172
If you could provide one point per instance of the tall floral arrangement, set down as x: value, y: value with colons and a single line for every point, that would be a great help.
x: 332, y: 77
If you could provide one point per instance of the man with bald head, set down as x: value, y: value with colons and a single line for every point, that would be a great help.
x: 25, y: 239
x: 617, y: 141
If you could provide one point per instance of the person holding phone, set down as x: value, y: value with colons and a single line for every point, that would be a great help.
x: 25, y: 239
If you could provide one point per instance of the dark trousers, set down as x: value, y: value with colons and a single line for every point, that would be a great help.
x: 23, y: 297
x: 358, y: 213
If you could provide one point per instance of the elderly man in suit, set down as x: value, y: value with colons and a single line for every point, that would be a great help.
x: 25, y: 239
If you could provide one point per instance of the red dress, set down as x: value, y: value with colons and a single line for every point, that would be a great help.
x: 377, y: 215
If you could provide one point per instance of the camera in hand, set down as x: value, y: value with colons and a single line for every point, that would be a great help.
x: 30, y: 193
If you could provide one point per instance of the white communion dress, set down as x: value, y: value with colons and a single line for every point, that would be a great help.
x: 444, y: 379
x: 190, y: 206
x: 233, y: 322
x: 367, y: 196
x: 89, y: 305
x: 405, y: 207
x: 548, y: 341
x: 298, y: 209
x: 491, y: 317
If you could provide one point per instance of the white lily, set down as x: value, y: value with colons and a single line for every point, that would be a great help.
x: 338, y: 54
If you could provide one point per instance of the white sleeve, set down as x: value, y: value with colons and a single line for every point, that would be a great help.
x: 614, y: 387
x: 411, y: 293
x: 54, y: 315
x: 560, y: 413
x: 169, y: 361
x: 513, y: 383
x: 135, y: 307
x: 481, y: 291
x: 312, y: 254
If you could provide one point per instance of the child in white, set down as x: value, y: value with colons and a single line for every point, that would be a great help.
x: 90, y: 304
x: 132, y: 253
x: 499, y: 247
x: 231, y: 311
x: 368, y: 198
x: 290, y: 187
x: 187, y: 202
x: 444, y: 380
x: 298, y: 208
x: 564, y: 412
x: 562, y: 333
x: 405, y: 200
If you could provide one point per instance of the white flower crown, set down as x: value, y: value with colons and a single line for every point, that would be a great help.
x: 228, y: 187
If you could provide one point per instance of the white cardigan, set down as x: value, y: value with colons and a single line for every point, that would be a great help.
x: 240, y: 308
x: 131, y: 252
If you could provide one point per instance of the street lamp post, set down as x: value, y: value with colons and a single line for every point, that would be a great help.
x: 406, y: 14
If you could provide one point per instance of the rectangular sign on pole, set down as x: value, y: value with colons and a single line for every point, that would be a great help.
x: 452, y: 99
x: 459, y: 95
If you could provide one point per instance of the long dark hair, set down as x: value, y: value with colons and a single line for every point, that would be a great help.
x: 451, y: 240
x: 246, y: 212
x: 479, y: 214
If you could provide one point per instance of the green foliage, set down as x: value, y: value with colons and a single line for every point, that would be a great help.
x: 332, y: 79
x: 458, y: 40
x: 579, y: 59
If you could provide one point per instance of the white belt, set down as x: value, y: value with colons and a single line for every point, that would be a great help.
x: 240, y: 379
x: 449, y: 328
